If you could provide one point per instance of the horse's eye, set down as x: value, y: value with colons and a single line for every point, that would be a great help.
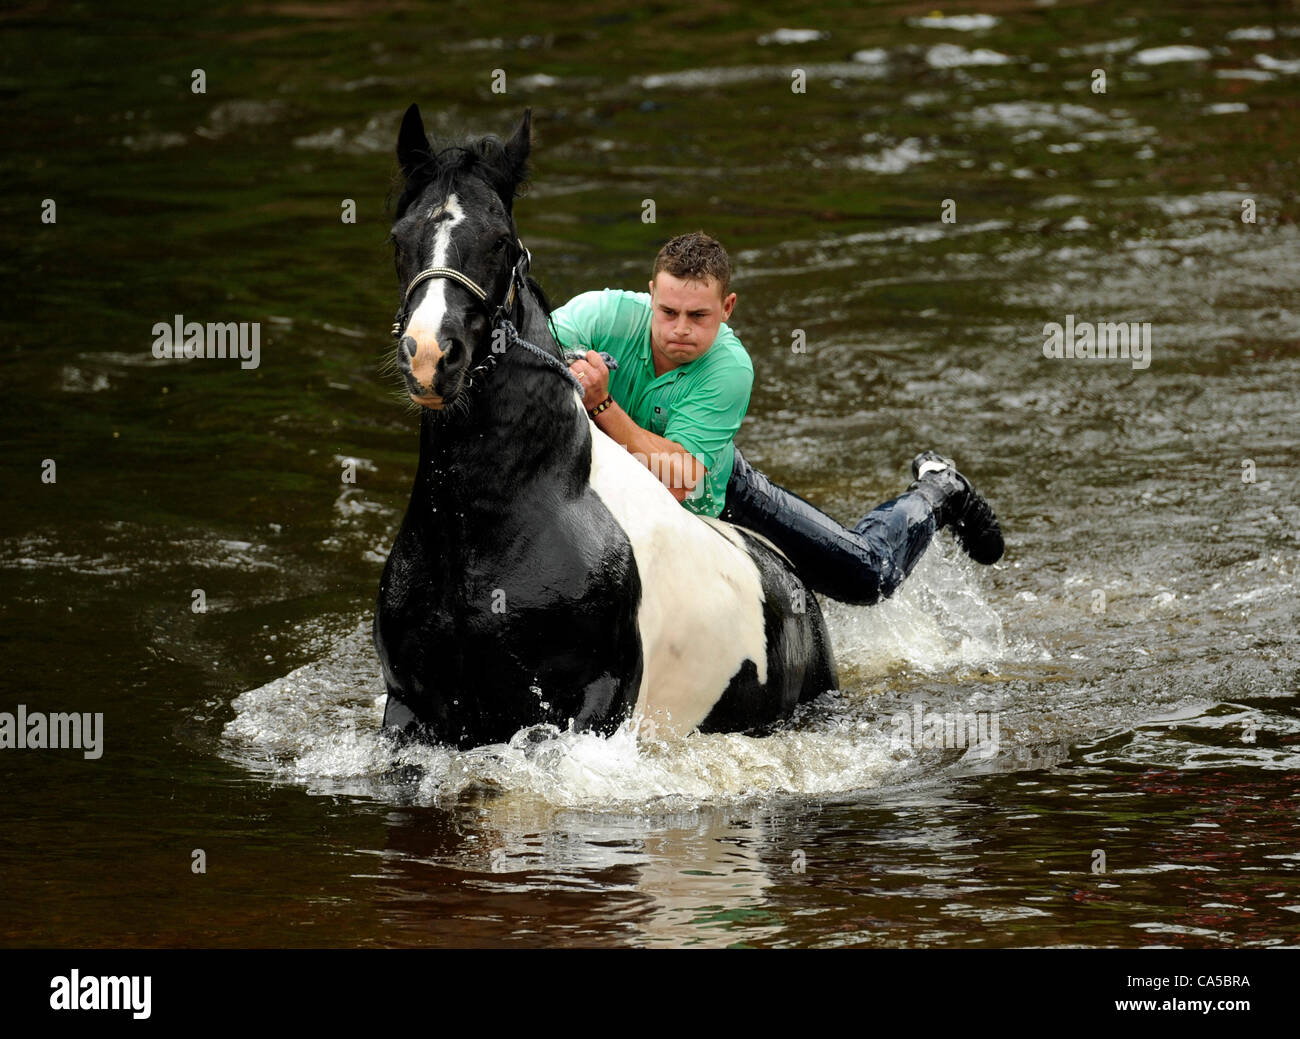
x: 501, y: 243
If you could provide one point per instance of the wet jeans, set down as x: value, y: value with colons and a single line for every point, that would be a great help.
x: 859, y: 565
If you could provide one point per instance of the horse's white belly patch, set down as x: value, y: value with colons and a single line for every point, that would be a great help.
x: 701, y: 614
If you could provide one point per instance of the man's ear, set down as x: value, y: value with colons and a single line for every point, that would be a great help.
x: 728, y: 305
x: 412, y: 143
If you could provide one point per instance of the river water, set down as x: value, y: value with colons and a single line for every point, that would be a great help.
x: 1135, y: 653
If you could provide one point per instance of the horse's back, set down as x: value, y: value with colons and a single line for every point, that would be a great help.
x: 731, y: 639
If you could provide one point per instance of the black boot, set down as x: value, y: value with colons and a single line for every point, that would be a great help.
x: 958, y: 506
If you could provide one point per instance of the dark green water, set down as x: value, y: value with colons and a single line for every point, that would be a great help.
x: 1141, y: 626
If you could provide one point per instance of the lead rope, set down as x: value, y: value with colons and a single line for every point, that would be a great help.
x: 513, y: 335
x: 513, y: 338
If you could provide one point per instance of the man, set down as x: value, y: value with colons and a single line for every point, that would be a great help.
x: 676, y: 401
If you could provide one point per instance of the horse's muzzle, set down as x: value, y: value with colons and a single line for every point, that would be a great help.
x: 419, y: 366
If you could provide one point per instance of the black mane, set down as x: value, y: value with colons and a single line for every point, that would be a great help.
x: 541, y: 298
x: 485, y: 159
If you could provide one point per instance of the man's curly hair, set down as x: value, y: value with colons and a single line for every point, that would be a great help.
x: 695, y: 257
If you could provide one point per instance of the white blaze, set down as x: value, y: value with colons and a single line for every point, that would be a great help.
x: 427, y: 319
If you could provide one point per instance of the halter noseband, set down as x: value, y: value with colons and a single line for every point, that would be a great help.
x: 517, y: 275
x: 499, y: 317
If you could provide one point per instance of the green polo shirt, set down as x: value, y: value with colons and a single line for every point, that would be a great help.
x: 699, y: 405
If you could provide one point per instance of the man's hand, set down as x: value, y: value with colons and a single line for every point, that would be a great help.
x: 594, y: 376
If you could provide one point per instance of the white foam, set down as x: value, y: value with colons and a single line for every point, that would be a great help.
x: 1168, y: 55
x: 724, y: 76
x: 1106, y: 47
x: 1256, y: 74
x: 1271, y: 64
x: 304, y: 728
x: 1038, y: 114
x: 871, y: 56
x: 957, y: 22
x: 938, y: 618
x: 952, y: 56
x: 789, y: 36
x: 1251, y: 32
x: 897, y: 159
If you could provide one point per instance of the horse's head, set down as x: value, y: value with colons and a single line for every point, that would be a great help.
x: 455, y: 212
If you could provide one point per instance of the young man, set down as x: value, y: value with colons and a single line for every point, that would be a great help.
x: 676, y: 401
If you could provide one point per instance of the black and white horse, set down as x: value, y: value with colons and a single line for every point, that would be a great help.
x: 541, y: 574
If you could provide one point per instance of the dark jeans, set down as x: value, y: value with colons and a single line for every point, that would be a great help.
x: 861, y: 565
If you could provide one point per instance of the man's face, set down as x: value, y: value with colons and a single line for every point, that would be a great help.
x: 686, y: 318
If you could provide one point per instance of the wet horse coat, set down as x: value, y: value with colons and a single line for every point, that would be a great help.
x: 541, y: 574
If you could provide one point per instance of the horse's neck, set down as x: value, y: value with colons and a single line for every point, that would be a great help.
x: 524, y: 433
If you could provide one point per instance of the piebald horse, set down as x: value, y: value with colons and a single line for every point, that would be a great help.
x: 541, y: 574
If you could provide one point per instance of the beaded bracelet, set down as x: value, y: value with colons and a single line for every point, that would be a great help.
x: 601, y: 407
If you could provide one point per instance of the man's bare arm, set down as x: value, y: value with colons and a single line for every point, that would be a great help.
x: 674, y: 466
x: 669, y: 462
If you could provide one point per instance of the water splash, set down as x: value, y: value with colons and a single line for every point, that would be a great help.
x: 319, y: 725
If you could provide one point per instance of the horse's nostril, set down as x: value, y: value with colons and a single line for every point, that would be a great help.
x: 409, y: 345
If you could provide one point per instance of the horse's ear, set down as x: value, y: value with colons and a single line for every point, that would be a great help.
x: 517, y: 150
x: 412, y: 143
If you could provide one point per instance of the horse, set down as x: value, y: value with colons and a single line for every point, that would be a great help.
x: 541, y: 575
